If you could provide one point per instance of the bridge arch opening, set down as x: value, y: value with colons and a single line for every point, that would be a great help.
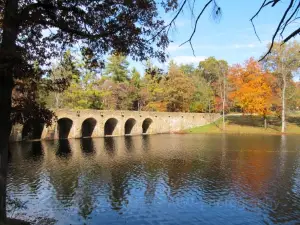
x: 32, y: 130
x: 64, y: 126
x: 130, y: 123
x: 110, y: 126
x: 87, y: 127
x: 146, y: 125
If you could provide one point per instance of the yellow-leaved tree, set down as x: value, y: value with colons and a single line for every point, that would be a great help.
x: 252, y: 88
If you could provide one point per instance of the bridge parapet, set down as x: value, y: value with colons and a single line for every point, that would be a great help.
x: 100, y: 123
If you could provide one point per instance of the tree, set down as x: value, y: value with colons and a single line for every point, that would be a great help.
x: 126, y: 96
x: 214, y: 72
x: 252, y: 89
x: 66, y: 69
x: 117, y: 68
x: 297, y: 102
x: 152, y: 89
x: 84, y: 91
x: 136, y: 78
x: 136, y: 82
x: 127, y: 27
x: 204, y: 95
x: 107, y: 88
x: 187, y: 69
x: 179, y: 90
x: 284, y: 62
x: 293, y: 101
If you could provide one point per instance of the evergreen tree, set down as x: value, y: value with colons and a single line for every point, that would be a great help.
x: 117, y: 68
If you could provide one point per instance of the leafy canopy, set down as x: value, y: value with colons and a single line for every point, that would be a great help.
x: 252, y: 88
x: 34, y: 32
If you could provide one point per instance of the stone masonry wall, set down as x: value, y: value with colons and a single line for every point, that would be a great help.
x: 159, y: 122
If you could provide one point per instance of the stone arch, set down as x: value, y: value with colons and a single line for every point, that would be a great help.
x: 146, y: 125
x: 88, y: 126
x: 110, y: 126
x: 32, y: 130
x: 129, y: 124
x: 64, y: 126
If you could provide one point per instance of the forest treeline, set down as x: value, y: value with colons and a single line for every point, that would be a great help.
x: 210, y: 86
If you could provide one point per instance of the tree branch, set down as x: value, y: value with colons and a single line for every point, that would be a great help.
x: 169, y: 24
x: 264, y: 4
x: 293, y: 34
x: 61, y: 24
x: 278, y: 27
x: 25, y: 12
x: 195, y: 25
x: 289, y: 19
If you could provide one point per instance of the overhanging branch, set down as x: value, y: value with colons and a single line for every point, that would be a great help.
x: 278, y: 27
x: 195, y: 26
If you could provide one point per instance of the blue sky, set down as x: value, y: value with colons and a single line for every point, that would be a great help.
x: 232, y: 38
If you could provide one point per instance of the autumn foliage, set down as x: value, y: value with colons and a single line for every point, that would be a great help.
x: 252, y: 88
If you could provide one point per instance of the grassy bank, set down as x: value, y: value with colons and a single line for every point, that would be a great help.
x: 249, y: 125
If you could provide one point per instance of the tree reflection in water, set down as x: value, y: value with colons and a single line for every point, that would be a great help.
x: 172, y: 178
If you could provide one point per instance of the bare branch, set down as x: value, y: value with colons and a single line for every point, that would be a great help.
x: 275, y: 2
x: 289, y: 19
x: 261, y: 7
x: 293, y: 20
x: 192, y: 49
x: 293, y: 34
x: 177, y: 14
x: 196, y: 23
x: 191, y: 7
x: 278, y: 27
x: 168, y: 26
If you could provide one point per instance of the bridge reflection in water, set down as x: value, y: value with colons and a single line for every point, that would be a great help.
x: 169, y: 179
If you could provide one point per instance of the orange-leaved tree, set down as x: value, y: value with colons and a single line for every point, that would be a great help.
x: 252, y: 88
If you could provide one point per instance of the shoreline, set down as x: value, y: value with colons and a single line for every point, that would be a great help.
x: 245, y: 124
x: 243, y: 133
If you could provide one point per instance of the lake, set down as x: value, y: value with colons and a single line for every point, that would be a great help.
x: 157, y: 179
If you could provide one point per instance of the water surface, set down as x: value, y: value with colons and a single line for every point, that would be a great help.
x: 159, y: 179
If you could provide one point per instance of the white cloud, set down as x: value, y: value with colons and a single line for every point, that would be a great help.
x: 250, y: 45
x: 184, y: 59
x: 244, y: 46
x: 176, y: 47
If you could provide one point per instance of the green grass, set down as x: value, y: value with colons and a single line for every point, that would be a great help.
x: 249, y: 125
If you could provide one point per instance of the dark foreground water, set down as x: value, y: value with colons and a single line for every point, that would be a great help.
x: 159, y: 179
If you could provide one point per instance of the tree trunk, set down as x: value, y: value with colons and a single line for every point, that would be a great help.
x: 57, y: 100
x: 283, y: 122
x: 8, y: 58
x: 223, y: 101
x: 5, y: 128
x: 265, y: 122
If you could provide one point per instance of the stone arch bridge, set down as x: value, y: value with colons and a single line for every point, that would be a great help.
x: 101, y: 123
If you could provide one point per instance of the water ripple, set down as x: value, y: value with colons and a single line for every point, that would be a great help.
x: 160, y: 179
